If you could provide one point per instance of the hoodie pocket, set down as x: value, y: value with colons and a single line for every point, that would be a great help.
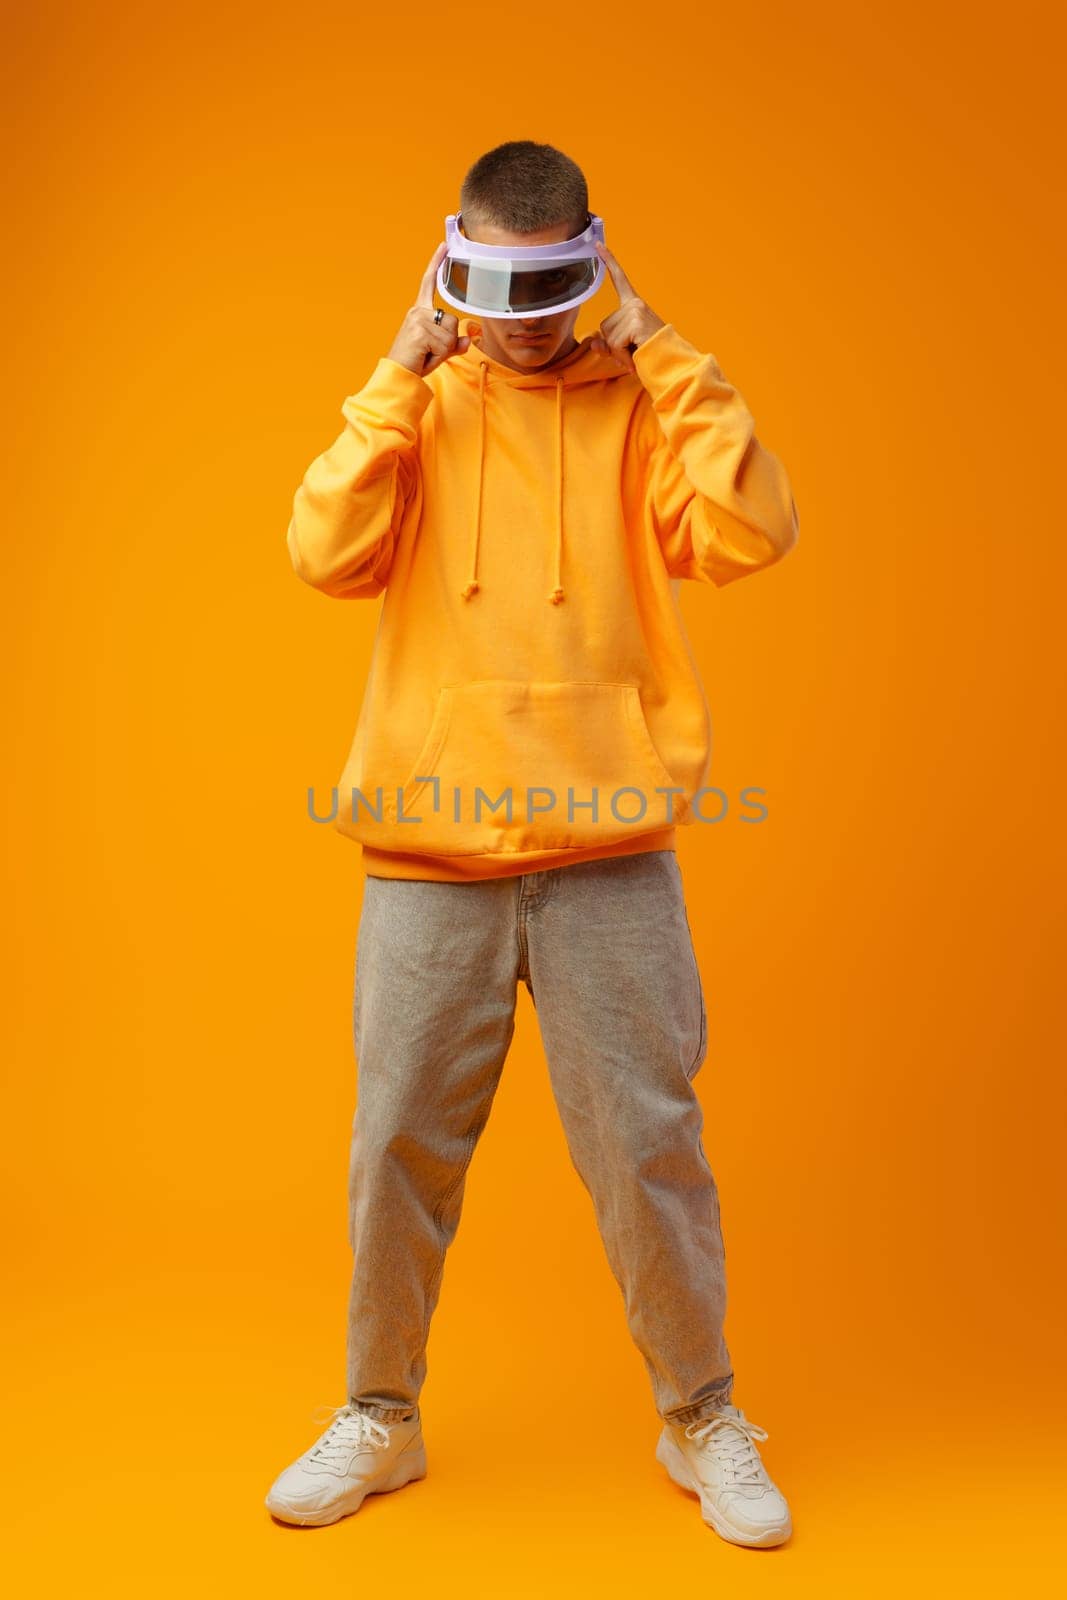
x: 509, y: 766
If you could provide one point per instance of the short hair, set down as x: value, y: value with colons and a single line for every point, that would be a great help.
x: 525, y: 187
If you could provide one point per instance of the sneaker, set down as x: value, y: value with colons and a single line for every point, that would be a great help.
x: 356, y: 1456
x: 716, y: 1458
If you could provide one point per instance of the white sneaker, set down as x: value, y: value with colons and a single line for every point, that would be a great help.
x: 356, y: 1456
x: 717, y: 1459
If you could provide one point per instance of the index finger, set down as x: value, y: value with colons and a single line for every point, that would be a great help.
x: 623, y: 286
x: 429, y: 277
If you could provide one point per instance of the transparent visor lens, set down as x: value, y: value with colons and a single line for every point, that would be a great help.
x: 500, y: 286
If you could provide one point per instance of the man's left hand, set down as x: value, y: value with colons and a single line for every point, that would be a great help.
x: 625, y: 329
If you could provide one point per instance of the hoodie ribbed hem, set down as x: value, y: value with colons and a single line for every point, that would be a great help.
x: 505, y: 864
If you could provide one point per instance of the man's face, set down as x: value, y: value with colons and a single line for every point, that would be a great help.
x: 503, y: 337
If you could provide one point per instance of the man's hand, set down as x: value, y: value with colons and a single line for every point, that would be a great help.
x: 628, y: 327
x: 420, y: 336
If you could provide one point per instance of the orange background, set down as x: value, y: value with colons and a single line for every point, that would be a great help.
x: 218, y: 220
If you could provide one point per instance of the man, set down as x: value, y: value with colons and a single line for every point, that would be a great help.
x: 532, y: 733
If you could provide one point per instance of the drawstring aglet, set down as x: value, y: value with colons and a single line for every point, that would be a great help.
x: 471, y: 588
x: 556, y: 596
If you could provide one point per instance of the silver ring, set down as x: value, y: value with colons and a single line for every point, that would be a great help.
x: 439, y: 314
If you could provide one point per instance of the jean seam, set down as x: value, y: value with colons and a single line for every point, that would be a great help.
x: 520, y: 927
x: 701, y: 1048
x: 471, y: 1141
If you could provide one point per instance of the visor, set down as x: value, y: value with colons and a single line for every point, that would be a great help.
x: 503, y: 280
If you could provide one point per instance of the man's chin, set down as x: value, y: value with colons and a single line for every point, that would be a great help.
x: 539, y: 350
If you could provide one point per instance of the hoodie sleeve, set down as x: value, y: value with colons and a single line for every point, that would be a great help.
x: 721, y: 504
x: 348, y: 510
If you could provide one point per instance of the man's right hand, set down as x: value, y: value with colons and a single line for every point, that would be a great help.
x: 422, y: 344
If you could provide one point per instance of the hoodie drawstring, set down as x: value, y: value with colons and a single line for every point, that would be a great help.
x: 472, y: 586
x: 557, y: 593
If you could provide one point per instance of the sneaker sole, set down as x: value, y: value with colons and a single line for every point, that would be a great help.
x: 678, y: 1469
x: 408, y: 1469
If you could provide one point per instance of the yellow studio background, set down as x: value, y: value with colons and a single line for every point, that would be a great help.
x: 217, y: 221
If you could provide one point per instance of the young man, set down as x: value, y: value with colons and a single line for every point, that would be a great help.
x: 534, y: 730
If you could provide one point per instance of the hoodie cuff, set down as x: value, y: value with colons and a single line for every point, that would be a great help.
x: 394, y: 391
x: 657, y: 360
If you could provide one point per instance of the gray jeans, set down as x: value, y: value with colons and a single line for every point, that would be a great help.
x: 605, y: 951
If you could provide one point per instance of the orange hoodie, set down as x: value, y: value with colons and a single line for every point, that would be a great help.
x: 532, y: 698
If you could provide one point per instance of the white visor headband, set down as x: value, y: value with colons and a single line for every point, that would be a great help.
x: 503, y: 280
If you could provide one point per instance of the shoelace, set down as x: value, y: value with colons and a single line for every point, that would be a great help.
x: 350, y: 1429
x: 730, y: 1439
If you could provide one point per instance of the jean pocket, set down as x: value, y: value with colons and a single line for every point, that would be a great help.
x: 702, y: 1047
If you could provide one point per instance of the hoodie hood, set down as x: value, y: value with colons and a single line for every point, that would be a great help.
x: 478, y: 369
